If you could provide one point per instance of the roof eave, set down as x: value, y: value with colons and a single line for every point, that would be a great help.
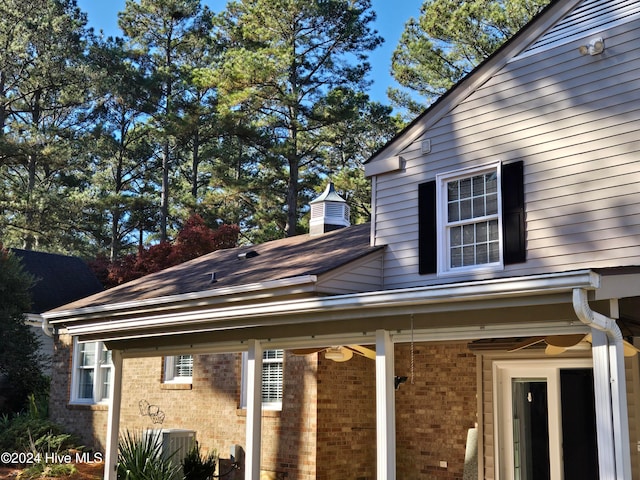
x: 341, y: 307
x: 219, y: 296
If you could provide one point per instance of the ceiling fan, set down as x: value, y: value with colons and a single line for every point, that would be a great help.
x: 557, y: 344
x: 338, y: 353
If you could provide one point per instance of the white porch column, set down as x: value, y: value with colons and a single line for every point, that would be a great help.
x: 611, y: 407
x: 385, y: 407
x: 113, y: 417
x: 254, y: 410
x: 602, y: 391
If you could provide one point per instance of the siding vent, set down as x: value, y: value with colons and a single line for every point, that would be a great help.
x: 426, y: 146
x: 328, y: 212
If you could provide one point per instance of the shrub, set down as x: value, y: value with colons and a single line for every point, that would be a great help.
x: 197, y: 466
x: 140, y: 457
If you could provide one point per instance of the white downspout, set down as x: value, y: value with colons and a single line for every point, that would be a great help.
x: 610, y: 390
x: 46, y: 327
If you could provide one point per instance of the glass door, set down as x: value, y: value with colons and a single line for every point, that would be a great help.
x: 545, y: 420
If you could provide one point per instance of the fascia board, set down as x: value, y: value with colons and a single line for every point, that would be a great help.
x: 340, y: 307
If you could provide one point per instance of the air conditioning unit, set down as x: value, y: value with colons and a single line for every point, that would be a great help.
x: 175, y: 443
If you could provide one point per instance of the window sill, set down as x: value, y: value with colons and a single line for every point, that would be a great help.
x: 242, y: 412
x: 96, y: 407
x: 176, y: 386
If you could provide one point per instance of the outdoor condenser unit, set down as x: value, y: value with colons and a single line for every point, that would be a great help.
x: 175, y: 443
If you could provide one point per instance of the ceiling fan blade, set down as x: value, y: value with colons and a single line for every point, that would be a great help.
x: 630, y: 350
x: 554, y: 350
x: 364, y: 351
x: 565, y: 341
x: 338, y: 354
x: 526, y: 343
x: 306, y: 351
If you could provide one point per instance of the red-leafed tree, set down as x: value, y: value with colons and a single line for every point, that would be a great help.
x: 194, y: 240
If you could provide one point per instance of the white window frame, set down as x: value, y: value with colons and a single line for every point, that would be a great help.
x: 279, y: 359
x: 102, y: 373
x: 504, y: 371
x: 443, y: 224
x: 171, y: 372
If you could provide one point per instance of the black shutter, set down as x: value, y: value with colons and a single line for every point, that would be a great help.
x: 513, y: 224
x: 427, y: 235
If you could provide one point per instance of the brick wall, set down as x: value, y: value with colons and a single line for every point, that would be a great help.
x: 432, y: 419
x: 346, y: 419
x: 210, y: 406
x: 87, y: 422
x: 434, y: 413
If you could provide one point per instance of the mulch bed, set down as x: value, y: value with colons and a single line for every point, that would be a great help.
x: 85, y: 471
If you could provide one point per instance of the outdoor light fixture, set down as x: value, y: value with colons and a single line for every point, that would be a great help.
x: 595, y: 47
x: 338, y: 354
x: 399, y: 381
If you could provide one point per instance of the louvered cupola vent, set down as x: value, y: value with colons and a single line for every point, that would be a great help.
x: 328, y: 212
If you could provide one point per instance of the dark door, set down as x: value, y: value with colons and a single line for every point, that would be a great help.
x: 579, y: 444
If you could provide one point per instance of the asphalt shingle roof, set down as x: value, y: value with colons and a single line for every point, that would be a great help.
x: 275, y: 260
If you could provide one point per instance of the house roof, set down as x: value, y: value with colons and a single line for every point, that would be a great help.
x: 298, y: 256
x: 59, y: 279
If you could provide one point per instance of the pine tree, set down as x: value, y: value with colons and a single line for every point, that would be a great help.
x: 20, y: 361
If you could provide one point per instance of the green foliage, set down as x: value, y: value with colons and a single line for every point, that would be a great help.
x: 197, y: 466
x: 288, y: 72
x: 20, y: 360
x: 108, y: 145
x: 46, y: 470
x: 32, y: 431
x: 448, y: 40
x: 140, y: 458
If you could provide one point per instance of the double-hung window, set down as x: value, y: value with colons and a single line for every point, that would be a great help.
x: 470, y: 213
x: 472, y: 219
x: 178, y: 369
x: 272, y: 379
x: 92, y: 373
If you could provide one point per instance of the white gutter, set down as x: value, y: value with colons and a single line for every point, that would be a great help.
x: 342, y: 307
x: 36, y: 319
x: 612, y: 426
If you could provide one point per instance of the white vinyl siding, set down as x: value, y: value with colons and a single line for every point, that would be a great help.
x: 589, y: 18
x: 92, y: 373
x: 570, y: 118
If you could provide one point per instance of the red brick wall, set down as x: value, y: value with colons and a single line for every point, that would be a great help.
x: 434, y: 413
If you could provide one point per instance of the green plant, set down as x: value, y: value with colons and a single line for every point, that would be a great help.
x: 41, y: 470
x: 197, y: 466
x: 19, y: 431
x: 140, y: 457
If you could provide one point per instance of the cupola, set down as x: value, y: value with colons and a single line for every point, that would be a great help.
x: 328, y: 212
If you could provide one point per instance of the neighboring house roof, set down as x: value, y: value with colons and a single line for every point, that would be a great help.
x: 298, y: 256
x: 59, y: 279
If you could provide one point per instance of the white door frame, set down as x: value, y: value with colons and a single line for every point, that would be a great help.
x: 503, y: 373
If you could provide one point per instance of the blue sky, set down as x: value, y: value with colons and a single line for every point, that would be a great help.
x: 392, y: 16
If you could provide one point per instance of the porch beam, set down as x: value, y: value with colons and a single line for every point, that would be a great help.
x: 254, y: 410
x: 385, y: 406
x: 113, y: 417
